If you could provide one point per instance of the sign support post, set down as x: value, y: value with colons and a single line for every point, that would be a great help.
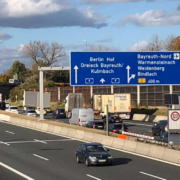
x: 41, y: 85
x: 107, y: 121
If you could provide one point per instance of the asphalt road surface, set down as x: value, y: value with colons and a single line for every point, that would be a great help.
x: 134, y: 126
x: 29, y: 154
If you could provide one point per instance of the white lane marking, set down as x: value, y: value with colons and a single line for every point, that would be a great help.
x: 124, y: 151
x: 15, y: 171
x: 92, y: 177
x: 41, y: 157
x: 138, y: 124
x: 152, y: 176
x: 4, y: 143
x: 21, y: 142
x: 40, y: 141
x: 10, y: 132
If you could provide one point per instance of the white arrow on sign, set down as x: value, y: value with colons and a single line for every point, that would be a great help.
x: 76, y: 68
x: 128, y: 72
x: 102, y: 80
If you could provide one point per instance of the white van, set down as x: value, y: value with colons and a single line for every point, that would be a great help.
x: 81, y: 116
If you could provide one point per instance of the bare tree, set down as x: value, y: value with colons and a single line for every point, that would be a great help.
x: 49, y: 53
x: 172, y: 43
x: 99, y: 48
x: 156, y: 44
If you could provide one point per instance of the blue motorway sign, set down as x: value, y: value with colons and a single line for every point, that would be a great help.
x: 124, y: 68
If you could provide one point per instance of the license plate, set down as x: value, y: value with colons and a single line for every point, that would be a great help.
x: 116, y: 121
x: 61, y: 113
x: 102, y: 160
x: 99, y: 126
x: 123, y: 115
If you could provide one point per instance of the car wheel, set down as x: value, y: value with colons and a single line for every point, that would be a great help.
x: 161, y: 133
x: 87, y: 162
x: 110, y: 164
x: 77, y: 159
x: 153, y: 133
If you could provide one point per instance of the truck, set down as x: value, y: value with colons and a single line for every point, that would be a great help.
x: 118, y: 104
x: 32, y: 99
x: 73, y: 100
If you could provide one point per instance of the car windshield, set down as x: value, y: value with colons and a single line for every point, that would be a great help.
x: 31, y: 112
x: 13, y: 107
x: 61, y: 110
x: 95, y: 148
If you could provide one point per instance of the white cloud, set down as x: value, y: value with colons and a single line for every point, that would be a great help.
x: 112, y: 1
x: 4, y: 36
x: 9, y: 55
x: 47, y: 13
x: 21, y: 8
x: 149, y: 18
x: 141, y: 45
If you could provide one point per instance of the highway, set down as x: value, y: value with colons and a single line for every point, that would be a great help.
x: 35, y: 155
x: 134, y: 126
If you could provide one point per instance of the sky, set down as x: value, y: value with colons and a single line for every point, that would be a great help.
x: 120, y: 25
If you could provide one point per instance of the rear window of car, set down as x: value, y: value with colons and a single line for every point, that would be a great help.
x: 61, y: 110
x: 99, y: 123
x: 115, y: 117
x: 31, y: 111
x: 13, y: 108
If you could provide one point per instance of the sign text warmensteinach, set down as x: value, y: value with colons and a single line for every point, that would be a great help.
x: 124, y: 68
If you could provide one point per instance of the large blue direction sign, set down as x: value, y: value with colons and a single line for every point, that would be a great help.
x: 125, y: 68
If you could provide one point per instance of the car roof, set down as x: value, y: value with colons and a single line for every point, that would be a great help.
x: 92, y: 144
x: 162, y: 121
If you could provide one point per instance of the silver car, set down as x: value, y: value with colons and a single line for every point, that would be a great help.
x: 30, y: 113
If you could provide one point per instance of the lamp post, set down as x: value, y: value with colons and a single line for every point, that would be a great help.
x: 86, y: 43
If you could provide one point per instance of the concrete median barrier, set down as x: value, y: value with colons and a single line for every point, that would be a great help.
x: 156, y: 151
x: 71, y: 132
x: 50, y: 128
x: 130, y: 145
x: 13, y: 120
x: 140, y: 117
x: 88, y: 136
x: 44, y: 127
x: 97, y: 138
x: 107, y: 140
x: 79, y: 134
x: 118, y: 143
x: 142, y: 148
x: 148, y: 118
x: 33, y: 124
x: 64, y: 131
x: 171, y: 155
x: 57, y: 129
x: 39, y: 125
x: 28, y: 123
x: 5, y: 117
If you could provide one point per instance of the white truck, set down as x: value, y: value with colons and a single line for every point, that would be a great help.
x: 32, y: 99
x: 73, y: 100
x: 118, y: 104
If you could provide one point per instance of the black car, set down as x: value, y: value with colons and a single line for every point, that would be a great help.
x: 117, y: 127
x: 115, y: 119
x: 97, y: 124
x: 163, y: 138
x: 93, y: 154
x: 59, y: 113
x: 159, y: 128
x: 2, y: 105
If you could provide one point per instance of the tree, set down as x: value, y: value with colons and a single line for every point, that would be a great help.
x: 156, y: 44
x: 19, y: 69
x: 3, y: 78
x: 172, y: 43
x: 49, y: 53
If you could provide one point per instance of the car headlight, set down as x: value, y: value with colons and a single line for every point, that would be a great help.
x: 92, y: 158
x: 109, y: 157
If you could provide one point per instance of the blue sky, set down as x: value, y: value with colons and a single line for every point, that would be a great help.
x: 120, y: 25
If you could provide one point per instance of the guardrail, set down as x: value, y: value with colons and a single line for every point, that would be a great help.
x: 81, y: 133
